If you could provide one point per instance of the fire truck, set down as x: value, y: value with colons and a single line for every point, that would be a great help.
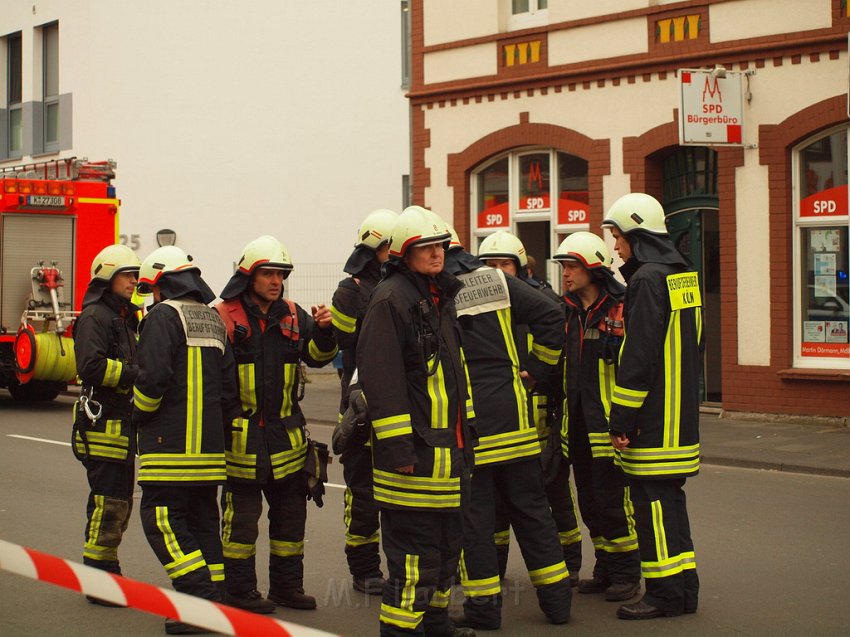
x: 55, y: 216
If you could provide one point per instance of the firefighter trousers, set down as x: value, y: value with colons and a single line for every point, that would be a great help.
x: 422, y: 550
x: 181, y: 525
x: 562, y: 505
x: 520, y: 485
x: 108, y: 510
x: 242, y: 505
x: 606, y: 509
x: 361, y: 515
x: 667, y: 557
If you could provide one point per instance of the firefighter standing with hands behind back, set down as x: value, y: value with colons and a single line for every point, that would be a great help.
x: 184, y: 384
x: 267, y: 445
x: 654, y: 421
x: 104, y: 439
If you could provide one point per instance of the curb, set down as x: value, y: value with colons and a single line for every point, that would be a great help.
x: 775, y: 466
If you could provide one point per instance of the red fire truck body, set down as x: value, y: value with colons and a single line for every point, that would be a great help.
x: 55, y: 217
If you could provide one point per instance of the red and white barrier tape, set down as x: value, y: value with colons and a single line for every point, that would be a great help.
x: 218, y: 618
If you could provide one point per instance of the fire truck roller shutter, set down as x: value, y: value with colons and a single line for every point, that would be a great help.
x: 26, y: 240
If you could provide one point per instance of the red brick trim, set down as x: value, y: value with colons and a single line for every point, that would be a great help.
x: 420, y: 139
x: 596, y: 152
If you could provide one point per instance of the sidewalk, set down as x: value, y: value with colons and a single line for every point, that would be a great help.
x: 780, y: 446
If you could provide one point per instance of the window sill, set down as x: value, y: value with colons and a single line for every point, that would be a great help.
x: 828, y: 375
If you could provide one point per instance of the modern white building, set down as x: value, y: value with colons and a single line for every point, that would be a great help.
x: 227, y: 119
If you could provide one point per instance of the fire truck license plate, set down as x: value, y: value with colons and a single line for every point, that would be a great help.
x: 46, y: 201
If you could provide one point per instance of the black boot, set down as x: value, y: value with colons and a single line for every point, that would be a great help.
x: 621, y: 590
x: 252, y: 601
x: 293, y: 598
x: 369, y: 585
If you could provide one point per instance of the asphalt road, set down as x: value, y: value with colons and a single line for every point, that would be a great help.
x: 771, y: 547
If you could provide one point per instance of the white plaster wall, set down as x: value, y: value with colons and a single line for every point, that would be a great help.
x: 755, y: 18
x: 231, y: 120
x: 451, y: 20
x: 563, y: 10
x: 458, y: 64
x: 597, y: 41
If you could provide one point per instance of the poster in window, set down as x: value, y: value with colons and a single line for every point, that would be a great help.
x: 827, y: 240
x: 824, y: 264
x: 836, y: 331
x: 813, y: 332
x: 825, y: 286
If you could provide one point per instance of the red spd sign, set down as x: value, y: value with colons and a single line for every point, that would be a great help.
x: 497, y: 216
x: 572, y: 213
x: 826, y: 203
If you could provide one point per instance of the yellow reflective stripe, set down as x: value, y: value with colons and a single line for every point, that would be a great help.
x: 296, y: 438
x: 509, y: 438
x: 436, y: 384
x: 319, y: 354
x: 194, y: 399
x: 239, y: 436
x: 92, y: 549
x: 342, y: 321
x: 185, y: 565
x: 287, y: 462
x: 145, y: 403
x: 361, y: 540
x: 289, y: 374
x: 408, y: 620
x: 689, y: 560
x: 103, y: 445
x: 661, y: 568
x: 347, y: 507
x: 411, y: 578
x: 658, y: 530
x: 481, y: 587
x: 470, y: 405
x: 569, y: 537
x: 600, y: 445
x: 429, y: 501
x: 286, y: 549
x: 628, y: 397
x: 544, y: 354
x: 392, y: 426
x: 621, y: 544
x: 442, y: 463
x: 168, y: 536
x: 506, y: 325
x: 216, y: 572
x: 420, y: 483
x: 440, y: 599
x: 549, y: 574
x: 102, y: 553
x: 528, y: 450
x: 178, y: 467
x: 227, y: 517
x: 672, y: 380
x: 113, y: 372
x: 502, y: 538
x: 698, y: 320
x: 606, y: 386
x: 247, y: 387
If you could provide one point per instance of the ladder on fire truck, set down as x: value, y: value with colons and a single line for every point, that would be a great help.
x: 70, y: 168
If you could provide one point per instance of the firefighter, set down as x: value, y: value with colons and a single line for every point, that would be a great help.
x: 505, y: 251
x: 180, y: 396
x: 654, y: 423
x: 507, y: 455
x: 267, y: 445
x: 411, y: 368
x: 594, y: 301
x: 104, y: 439
x: 347, y: 309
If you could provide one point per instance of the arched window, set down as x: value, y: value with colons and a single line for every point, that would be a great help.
x: 821, y: 262
x: 539, y: 194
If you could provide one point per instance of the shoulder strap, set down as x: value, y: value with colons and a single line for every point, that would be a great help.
x: 232, y: 312
x: 289, y: 324
x: 613, y: 321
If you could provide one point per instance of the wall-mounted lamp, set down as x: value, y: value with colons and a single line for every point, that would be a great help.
x: 166, y: 237
x: 719, y: 71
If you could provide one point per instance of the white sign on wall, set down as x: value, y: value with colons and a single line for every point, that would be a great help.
x: 711, y: 108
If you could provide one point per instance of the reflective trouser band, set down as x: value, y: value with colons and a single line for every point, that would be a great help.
x: 621, y: 544
x: 502, y: 538
x: 186, y: 564
x: 286, y: 549
x: 664, y: 568
x: 598, y: 543
x: 216, y: 572
x: 359, y: 540
x: 549, y: 574
x: 342, y: 321
x: 408, y: 620
x: 481, y: 587
x: 92, y: 548
x: 569, y: 537
x: 236, y: 551
x: 181, y: 564
x: 440, y: 599
x: 411, y: 579
x: 113, y: 372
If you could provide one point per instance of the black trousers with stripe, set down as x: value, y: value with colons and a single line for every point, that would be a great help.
x: 422, y: 550
x: 242, y: 504
x: 361, y: 514
x: 180, y: 521
x: 666, y: 548
x: 108, y: 509
x: 523, y: 496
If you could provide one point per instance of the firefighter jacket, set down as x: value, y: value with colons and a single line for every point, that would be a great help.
x: 186, y: 380
x: 656, y: 395
x: 411, y: 368
x: 589, y: 364
x: 348, y: 307
x: 267, y: 440
x: 493, y: 344
x: 105, y: 350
